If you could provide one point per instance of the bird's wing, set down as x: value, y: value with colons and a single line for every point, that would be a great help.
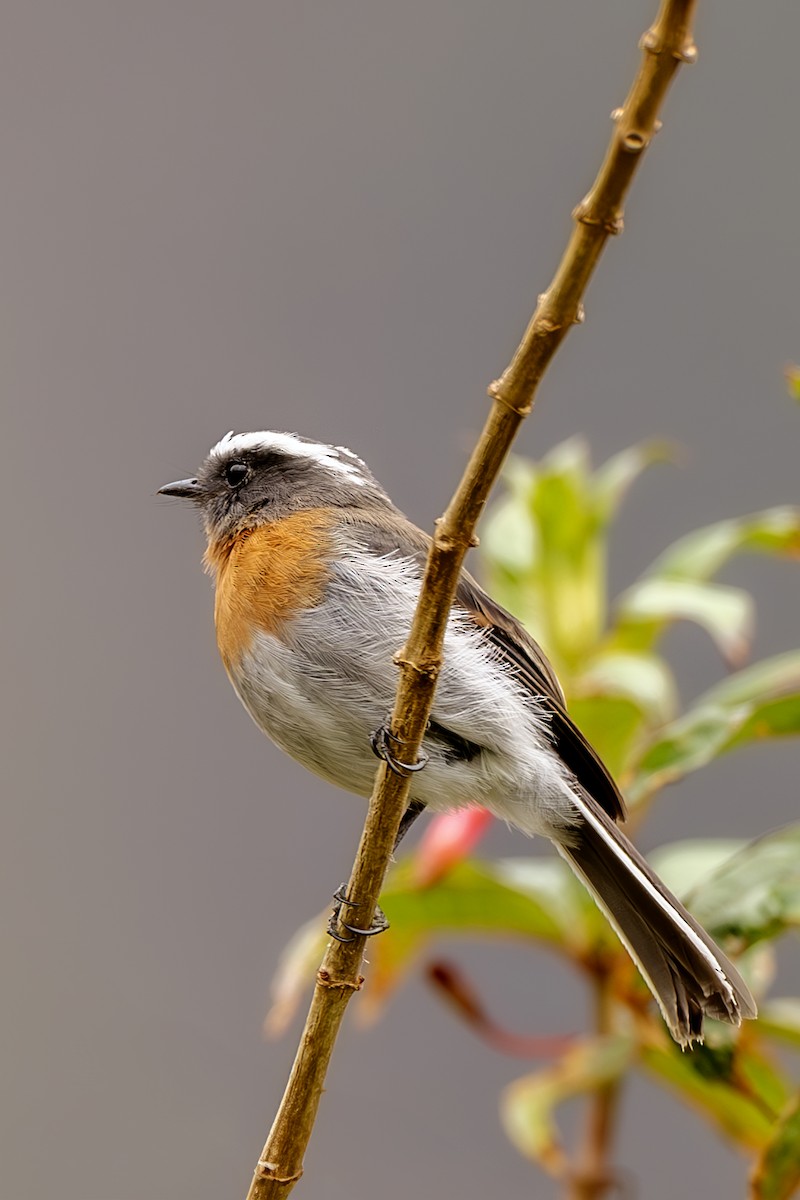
x: 531, y: 666
x: 390, y: 532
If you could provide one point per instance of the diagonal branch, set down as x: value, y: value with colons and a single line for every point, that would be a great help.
x: 665, y: 46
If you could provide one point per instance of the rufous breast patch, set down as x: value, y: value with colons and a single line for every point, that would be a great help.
x: 266, y: 575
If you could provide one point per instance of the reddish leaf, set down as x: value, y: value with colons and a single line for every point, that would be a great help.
x: 449, y: 839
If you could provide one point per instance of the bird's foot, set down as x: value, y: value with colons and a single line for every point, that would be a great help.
x: 383, y: 741
x: 340, y: 900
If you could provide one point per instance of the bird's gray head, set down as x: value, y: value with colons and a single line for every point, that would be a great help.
x: 251, y: 478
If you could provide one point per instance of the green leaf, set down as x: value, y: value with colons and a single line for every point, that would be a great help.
x: 686, y: 865
x: 477, y: 896
x: 746, y: 891
x: 720, y: 721
x: 685, y: 745
x: 511, y: 551
x: 763, y: 681
x: 776, y: 718
x: 700, y: 554
x: 613, y: 480
x: 762, y: 701
x: 755, y: 894
x: 536, y: 899
x: 613, y: 726
x: 296, y: 970
x: 569, y: 458
x: 551, y: 883
x: 573, y: 564
x: 544, y: 543
x: 644, y: 679
x: 649, y: 607
x: 755, y: 1074
x: 510, y: 536
x: 527, y: 1107
x: 738, y: 1092
x: 776, y: 1174
x: 676, y: 586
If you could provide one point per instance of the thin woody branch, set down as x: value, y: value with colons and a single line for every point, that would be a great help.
x: 665, y: 46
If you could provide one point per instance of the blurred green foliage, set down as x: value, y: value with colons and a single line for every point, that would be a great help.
x: 544, y: 556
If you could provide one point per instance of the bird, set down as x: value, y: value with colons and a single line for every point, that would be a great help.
x: 317, y: 575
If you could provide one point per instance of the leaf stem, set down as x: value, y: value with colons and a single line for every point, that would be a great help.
x: 594, y: 1178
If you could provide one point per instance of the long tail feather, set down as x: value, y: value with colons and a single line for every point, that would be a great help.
x: 684, y: 969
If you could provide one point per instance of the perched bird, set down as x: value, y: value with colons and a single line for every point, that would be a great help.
x: 317, y: 577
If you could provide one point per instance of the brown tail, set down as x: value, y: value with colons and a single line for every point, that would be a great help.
x: 684, y: 969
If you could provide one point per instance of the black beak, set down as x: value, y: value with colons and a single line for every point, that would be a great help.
x: 187, y: 489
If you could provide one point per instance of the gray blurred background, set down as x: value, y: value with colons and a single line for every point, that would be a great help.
x: 332, y: 218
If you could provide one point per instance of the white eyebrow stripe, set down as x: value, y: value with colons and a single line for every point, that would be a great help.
x: 291, y: 444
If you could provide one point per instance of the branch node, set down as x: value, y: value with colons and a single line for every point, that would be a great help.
x: 547, y: 325
x: 495, y: 391
x: 653, y: 43
x: 580, y: 315
x: 428, y: 670
x: 583, y: 215
x: 326, y: 980
x: 266, y: 1170
x: 447, y: 542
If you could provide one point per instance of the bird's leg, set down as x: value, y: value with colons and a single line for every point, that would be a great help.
x: 415, y: 809
x: 379, y: 923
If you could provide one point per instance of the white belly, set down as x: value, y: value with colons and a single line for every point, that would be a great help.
x: 321, y: 692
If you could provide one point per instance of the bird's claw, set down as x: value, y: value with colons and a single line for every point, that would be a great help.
x: 381, y: 741
x: 340, y: 898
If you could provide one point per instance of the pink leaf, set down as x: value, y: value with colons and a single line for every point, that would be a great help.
x: 449, y: 838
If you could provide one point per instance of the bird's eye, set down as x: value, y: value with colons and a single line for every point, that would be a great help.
x: 235, y: 473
